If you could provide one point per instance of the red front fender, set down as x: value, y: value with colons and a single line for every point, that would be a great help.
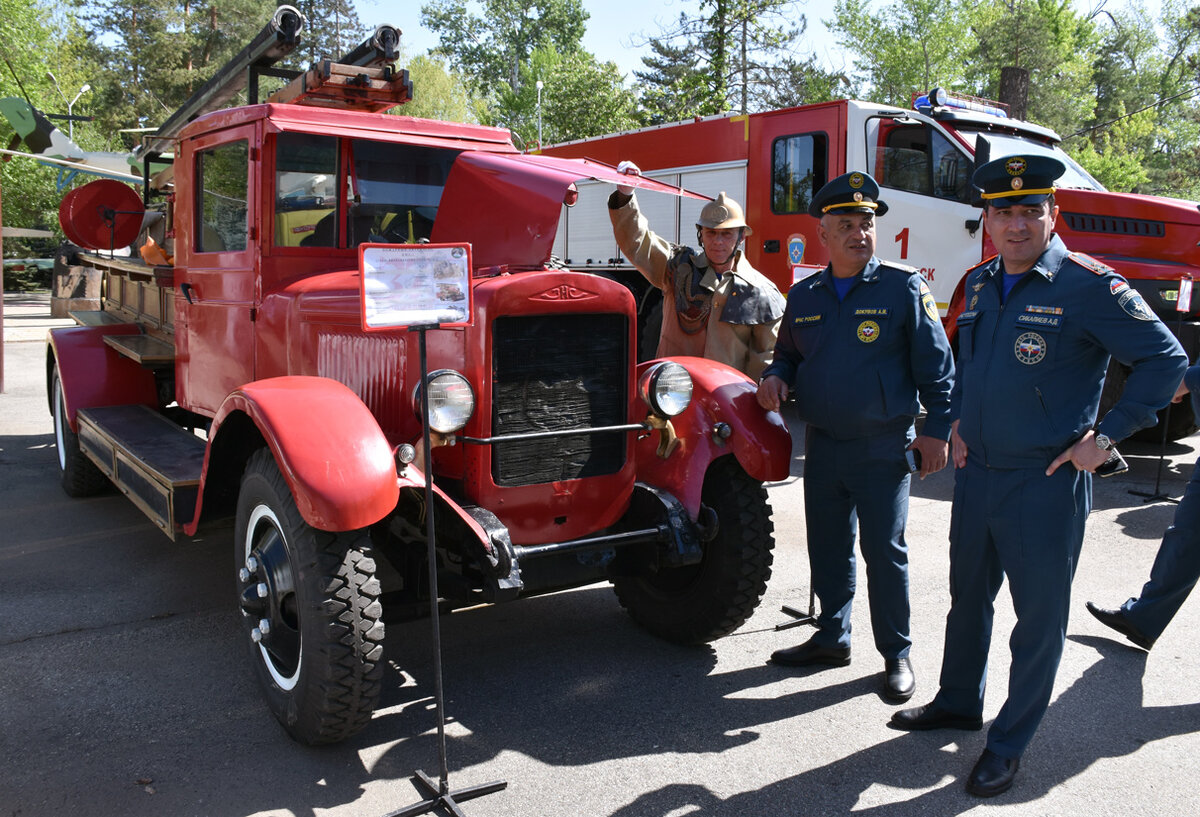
x: 720, y: 395
x: 329, y: 447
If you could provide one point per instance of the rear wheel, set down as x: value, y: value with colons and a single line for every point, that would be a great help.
x: 700, y: 603
x: 80, y: 476
x: 310, y: 606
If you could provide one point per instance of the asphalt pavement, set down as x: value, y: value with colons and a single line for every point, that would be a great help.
x: 126, y: 689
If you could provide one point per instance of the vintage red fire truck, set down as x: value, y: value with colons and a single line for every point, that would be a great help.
x: 923, y: 158
x: 230, y: 376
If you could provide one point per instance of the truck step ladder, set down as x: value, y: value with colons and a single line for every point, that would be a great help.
x: 162, y: 477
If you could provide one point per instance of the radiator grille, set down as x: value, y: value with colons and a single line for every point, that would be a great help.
x: 554, y: 373
x: 1115, y: 225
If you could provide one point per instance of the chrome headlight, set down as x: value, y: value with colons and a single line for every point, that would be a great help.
x: 451, y: 401
x: 667, y: 388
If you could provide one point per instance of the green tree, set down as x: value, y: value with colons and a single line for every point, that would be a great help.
x: 580, y: 97
x: 491, y: 48
x: 1155, y: 80
x: 332, y: 28
x: 1115, y: 156
x: 729, y: 52
x: 797, y: 82
x: 674, y: 86
x: 1046, y: 42
x: 35, y: 39
x: 905, y: 47
x: 438, y: 93
x: 153, y: 54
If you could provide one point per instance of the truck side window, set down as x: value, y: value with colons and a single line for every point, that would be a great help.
x: 222, y: 173
x: 918, y: 159
x: 798, y: 170
x: 395, y: 191
x: 306, y: 175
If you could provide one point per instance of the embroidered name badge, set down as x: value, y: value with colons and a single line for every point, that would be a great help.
x: 1050, y: 321
x: 868, y: 331
x: 878, y: 312
x: 1133, y: 304
x: 807, y: 319
x: 1030, y: 348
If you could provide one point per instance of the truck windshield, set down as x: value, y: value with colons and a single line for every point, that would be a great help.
x: 395, y: 190
x: 392, y: 191
x: 1009, y: 144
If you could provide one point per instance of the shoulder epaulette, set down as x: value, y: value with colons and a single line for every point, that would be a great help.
x: 982, y: 263
x: 905, y: 268
x: 1091, y: 264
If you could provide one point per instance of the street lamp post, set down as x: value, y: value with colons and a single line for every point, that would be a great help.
x: 540, y: 85
x: 70, y: 105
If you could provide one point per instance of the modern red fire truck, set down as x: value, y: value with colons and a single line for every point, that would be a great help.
x: 923, y: 158
x: 231, y: 375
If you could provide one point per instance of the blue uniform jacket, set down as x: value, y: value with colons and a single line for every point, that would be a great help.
x: 1030, y: 371
x: 856, y: 367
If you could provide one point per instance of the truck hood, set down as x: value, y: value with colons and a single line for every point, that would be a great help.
x: 1123, y: 226
x: 507, y: 206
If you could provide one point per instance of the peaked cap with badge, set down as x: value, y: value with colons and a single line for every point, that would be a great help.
x: 853, y: 192
x: 1018, y: 179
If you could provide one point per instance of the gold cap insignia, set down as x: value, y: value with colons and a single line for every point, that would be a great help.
x: 855, y: 181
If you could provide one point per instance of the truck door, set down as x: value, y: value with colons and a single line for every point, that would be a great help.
x: 216, y: 284
x: 793, y: 153
x: 930, y: 223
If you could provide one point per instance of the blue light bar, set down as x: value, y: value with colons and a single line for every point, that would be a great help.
x: 939, y: 97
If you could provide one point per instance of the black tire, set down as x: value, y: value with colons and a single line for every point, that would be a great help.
x: 80, y: 476
x: 1180, y: 419
x: 700, y: 603
x: 320, y: 660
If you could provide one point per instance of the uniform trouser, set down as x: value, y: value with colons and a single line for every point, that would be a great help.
x: 863, y: 481
x: 1176, y: 567
x: 1023, y: 524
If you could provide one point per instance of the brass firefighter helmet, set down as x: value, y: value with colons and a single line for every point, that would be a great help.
x: 723, y: 213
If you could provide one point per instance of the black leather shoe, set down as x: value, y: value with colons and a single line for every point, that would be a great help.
x: 1117, y: 620
x: 811, y: 653
x: 993, y: 774
x: 921, y: 718
x: 900, y: 681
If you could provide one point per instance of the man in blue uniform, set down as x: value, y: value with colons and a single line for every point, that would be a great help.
x: 1177, y: 564
x: 859, y: 342
x: 1033, y: 346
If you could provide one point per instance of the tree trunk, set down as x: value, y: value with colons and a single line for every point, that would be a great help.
x: 1014, y: 90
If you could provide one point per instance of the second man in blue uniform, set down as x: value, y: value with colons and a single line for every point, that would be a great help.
x: 860, y: 342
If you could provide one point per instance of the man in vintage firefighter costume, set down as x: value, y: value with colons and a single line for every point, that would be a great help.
x: 1033, y: 347
x: 715, y: 305
x: 861, y: 341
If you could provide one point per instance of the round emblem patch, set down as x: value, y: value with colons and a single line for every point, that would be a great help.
x: 1015, y: 166
x: 855, y: 180
x: 868, y: 331
x: 1030, y: 348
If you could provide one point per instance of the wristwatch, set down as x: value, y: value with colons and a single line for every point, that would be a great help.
x: 1102, y: 441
